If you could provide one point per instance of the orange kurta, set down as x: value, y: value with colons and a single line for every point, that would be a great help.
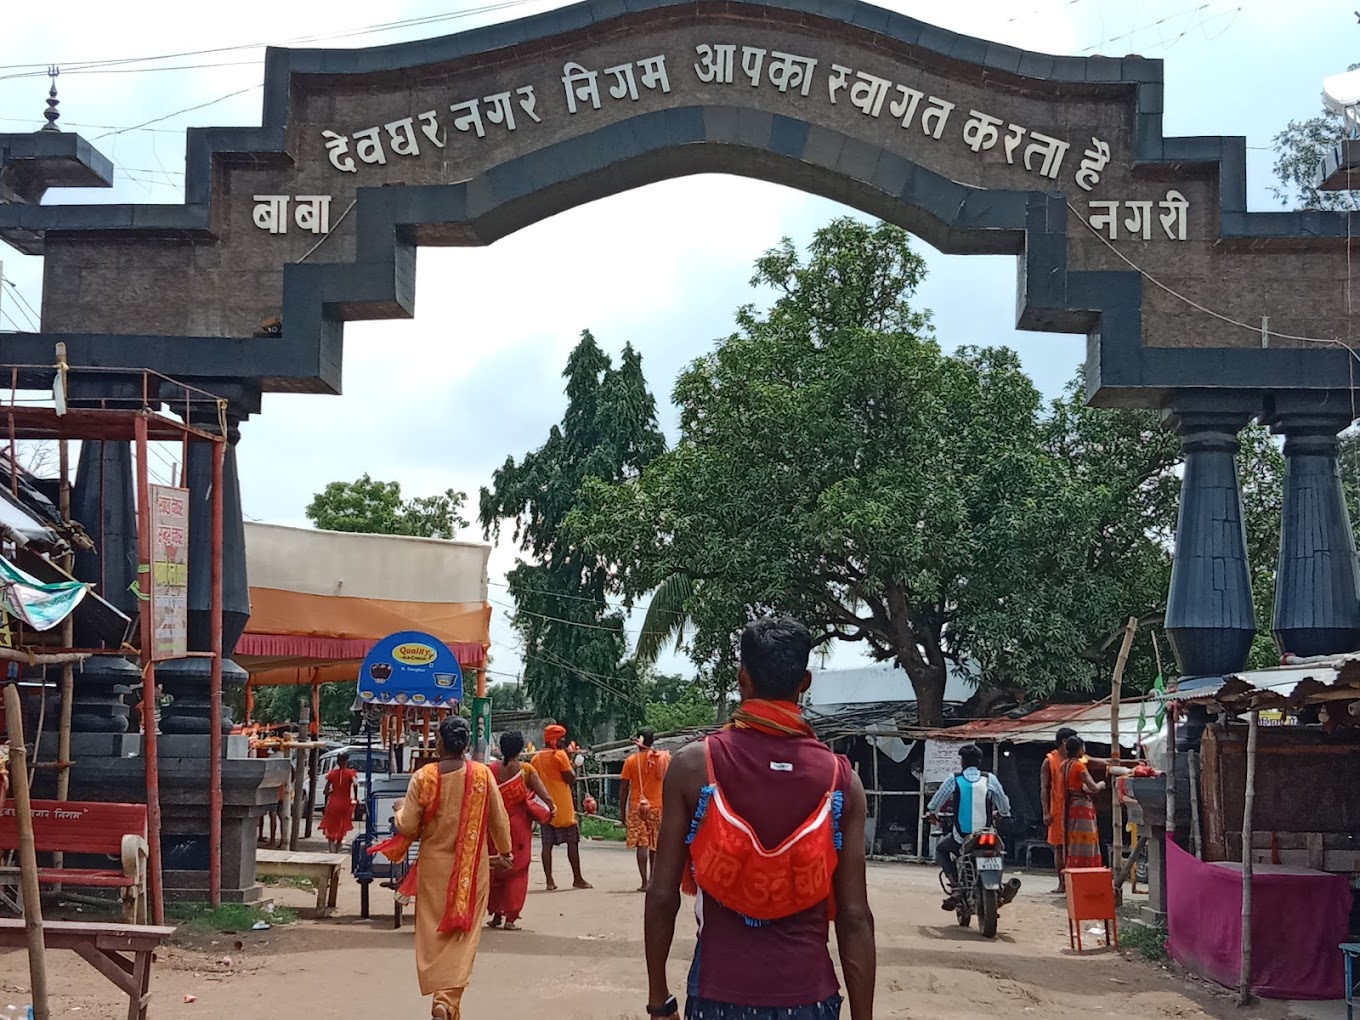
x: 444, y: 959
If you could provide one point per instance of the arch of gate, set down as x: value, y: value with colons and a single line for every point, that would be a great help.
x: 1142, y: 243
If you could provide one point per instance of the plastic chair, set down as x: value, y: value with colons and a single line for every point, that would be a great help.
x: 1090, y: 897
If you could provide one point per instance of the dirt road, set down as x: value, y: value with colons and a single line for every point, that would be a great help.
x: 580, y: 958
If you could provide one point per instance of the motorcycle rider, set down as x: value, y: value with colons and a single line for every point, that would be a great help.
x: 975, y: 799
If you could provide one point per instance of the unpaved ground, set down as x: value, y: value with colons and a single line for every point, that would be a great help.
x: 580, y: 958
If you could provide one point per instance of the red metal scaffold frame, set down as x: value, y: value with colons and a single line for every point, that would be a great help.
x: 114, y: 421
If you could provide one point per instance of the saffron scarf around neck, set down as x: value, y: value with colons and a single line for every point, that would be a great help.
x: 777, y: 718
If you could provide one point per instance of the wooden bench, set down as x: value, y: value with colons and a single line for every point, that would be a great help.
x: 102, y: 946
x: 90, y: 828
x: 323, y: 869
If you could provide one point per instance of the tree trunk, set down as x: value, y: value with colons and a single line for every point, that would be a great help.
x: 928, y: 682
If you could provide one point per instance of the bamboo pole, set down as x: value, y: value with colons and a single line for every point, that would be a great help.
x: 299, y: 777
x: 28, y: 858
x: 1116, y: 808
x: 52, y: 659
x: 1196, y: 833
x: 1244, y: 996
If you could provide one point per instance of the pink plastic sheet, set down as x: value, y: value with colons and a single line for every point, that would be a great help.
x: 1298, y: 917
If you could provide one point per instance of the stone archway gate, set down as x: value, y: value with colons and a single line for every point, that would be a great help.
x: 1143, y: 243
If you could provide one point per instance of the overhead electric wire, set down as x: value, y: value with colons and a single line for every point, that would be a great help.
x: 559, y: 619
x: 79, y: 66
x: 581, y: 598
x: 29, y: 313
x: 187, y: 109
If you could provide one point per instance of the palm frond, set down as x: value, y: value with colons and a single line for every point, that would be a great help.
x: 666, y: 618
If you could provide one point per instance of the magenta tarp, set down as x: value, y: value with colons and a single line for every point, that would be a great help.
x: 1298, y: 917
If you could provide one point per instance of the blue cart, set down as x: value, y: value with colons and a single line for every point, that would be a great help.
x: 383, y: 793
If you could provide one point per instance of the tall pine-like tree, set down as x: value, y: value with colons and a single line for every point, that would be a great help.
x: 575, y: 648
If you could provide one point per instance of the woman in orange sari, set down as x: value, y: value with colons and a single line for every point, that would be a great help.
x: 455, y: 810
x: 518, y: 782
x: 1080, y: 832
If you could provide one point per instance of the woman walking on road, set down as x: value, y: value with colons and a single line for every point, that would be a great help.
x: 1080, y: 833
x: 518, y: 783
x: 454, y: 809
x: 338, y: 818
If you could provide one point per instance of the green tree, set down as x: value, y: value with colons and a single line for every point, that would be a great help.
x: 509, y: 697
x: 1299, y: 151
x: 377, y: 508
x: 674, y: 703
x: 575, y: 649
x: 836, y: 464
x: 281, y: 703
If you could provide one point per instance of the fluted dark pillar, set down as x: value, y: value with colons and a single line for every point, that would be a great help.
x: 102, y: 500
x: 1317, y: 582
x: 1210, y: 620
x: 187, y: 680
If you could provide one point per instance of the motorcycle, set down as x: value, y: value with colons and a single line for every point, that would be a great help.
x: 981, y: 888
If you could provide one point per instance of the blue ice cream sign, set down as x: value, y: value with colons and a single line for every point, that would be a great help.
x: 411, y: 668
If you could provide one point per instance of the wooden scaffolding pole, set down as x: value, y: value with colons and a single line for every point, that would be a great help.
x: 215, y: 682
x: 28, y: 857
x: 150, y: 758
x: 1244, y: 996
x: 68, y: 640
x: 1116, y: 808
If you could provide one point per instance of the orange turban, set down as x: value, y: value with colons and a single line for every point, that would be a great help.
x: 552, y: 734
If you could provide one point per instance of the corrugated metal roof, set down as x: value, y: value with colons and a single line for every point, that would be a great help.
x: 1090, y: 720
x: 1292, y: 685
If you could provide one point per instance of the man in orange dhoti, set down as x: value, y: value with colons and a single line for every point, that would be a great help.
x: 451, y: 807
x: 1051, y: 797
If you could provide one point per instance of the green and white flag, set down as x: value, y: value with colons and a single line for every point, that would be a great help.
x: 1159, y: 694
x: 40, y: 606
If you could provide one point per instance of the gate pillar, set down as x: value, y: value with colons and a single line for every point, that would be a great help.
x: 187, y: 680
x: 1210, y: 619
x: 1317, y: 582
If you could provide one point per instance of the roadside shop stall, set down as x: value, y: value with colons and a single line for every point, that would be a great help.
x: 1263, y: 899
x: 407, y: 672
x: 321, y: 601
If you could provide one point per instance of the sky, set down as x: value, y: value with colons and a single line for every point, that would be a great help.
x: 441, y: 400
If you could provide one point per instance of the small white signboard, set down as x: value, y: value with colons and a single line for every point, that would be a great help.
x: 941, y: 761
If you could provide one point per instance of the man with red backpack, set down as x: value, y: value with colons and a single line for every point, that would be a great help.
x: 764, y: 825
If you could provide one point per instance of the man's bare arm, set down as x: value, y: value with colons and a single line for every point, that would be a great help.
x: 680, y: 796
x: 625, y: 788
x: 854, y: 919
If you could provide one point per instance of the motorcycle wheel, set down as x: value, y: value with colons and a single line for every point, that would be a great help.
x: 989, y: 903
x: 962, y: 912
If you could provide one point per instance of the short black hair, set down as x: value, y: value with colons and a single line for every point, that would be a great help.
x: 455, y: 734
x: 647, y: 735
x: 1074, y: 746
x: 1061, y: 739
x: 775, y: 653
x: 512, y: 743
x: 970, y: 756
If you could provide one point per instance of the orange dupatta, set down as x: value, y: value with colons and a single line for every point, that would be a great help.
x: 461, y: 897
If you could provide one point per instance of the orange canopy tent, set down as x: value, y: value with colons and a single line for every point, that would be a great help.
x: 320, y: 600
